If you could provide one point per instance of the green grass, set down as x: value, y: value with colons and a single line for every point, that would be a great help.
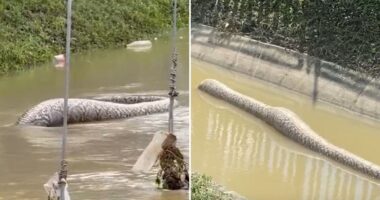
x: 33, y: 31
x: 202, y: 188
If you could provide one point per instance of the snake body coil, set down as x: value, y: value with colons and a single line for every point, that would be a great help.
x: 49, y: 112
x: 288, y: 123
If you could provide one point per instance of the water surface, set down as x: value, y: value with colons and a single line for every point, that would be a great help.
x: 100, y: 154
x: 249, y: 157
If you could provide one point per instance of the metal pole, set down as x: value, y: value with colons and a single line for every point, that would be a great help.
x: 63, y: 171
x: 173, y: 93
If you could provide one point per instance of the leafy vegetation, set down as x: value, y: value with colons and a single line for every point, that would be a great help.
x: 342, y: 31
x: 33, y: 31
x: 202, y: 188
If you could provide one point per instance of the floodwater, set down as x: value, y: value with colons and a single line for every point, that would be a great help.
x: 101, y: 154
x: 247, y: 156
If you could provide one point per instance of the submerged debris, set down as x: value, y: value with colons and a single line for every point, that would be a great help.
x: 173, y: 173
x: 53, y: 190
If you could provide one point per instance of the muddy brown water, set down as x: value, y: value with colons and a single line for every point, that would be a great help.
x: 247, y: 156
x: 100, y: 154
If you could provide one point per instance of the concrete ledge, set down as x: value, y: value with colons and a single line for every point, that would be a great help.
x: 318, y: 79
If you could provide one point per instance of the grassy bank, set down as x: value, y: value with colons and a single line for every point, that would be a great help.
x: 202, y: 188
x: 33, y: 31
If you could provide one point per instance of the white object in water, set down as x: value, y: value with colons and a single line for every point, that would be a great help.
x: 180, y: 37
x: 141, y: 43
x: 53, y: 190
x: 59, y: 60
x: 155, y: 38
x: 150, y: 155
x: 140, y: 46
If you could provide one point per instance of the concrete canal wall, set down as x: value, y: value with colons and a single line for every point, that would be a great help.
x: 318, y: 79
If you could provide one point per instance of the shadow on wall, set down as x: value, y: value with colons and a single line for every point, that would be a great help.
x: 281, y: 57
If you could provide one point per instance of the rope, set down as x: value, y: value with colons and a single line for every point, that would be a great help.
x: 63, y: 163
x: 173, y: 70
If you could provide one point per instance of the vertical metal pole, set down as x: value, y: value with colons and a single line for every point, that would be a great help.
x: 66, y: 97
x: 173, y: 69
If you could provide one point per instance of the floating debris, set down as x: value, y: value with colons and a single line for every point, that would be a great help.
x: 140, y: 43
x: 140, y: 46
x: 59, y: 61
x: 151, y: 153
x: 53, y: 190
x: 173, y: 173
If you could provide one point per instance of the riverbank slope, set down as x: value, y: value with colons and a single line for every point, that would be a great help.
x: 33, y: 31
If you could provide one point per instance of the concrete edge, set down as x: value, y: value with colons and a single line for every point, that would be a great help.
x: 310, y: 76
